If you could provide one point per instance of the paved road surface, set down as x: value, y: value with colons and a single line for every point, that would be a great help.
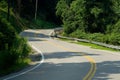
x: 67, y: 61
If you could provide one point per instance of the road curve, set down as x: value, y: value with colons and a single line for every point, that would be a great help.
x: 68, y: 61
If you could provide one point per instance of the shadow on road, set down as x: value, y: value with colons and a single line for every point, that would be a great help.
x: 66, y: 54
x: 50, y: 71
x: 35, y: 39
x: 33, y: 34
x: 61, y: 71
x: 106, y: 68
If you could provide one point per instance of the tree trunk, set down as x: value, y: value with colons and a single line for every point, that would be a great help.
x: 36, y: 5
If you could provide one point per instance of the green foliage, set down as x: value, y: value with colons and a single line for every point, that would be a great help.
x: 41, y: 24
x: 96, y: 20
x: 99, y: 14
x: 12, y: 47
x: 117, y: 6
x: 114, y: 38
x: 14, y: 19
x: 94, y: 46
x: 23, y: 49
x: 61, y: 7
x: 91, y: 16
x: 116, y: 28
x: 3, y: 4
x: 79, y: 34
x: 10, y: 56
x: 92, y: 37
x: 8, y: 33
x: 97, y: 37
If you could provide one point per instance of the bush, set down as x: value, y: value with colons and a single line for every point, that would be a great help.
x: 23, y: 48
x: 11, y: 56
x: 96, y: 37
x: 13, y: 48
x: 117, y: 27
x: 79, y: 34
x: 114, y: 38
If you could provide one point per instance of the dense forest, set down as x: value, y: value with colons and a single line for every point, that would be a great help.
x: 46, y: 16
x: 97, y: 20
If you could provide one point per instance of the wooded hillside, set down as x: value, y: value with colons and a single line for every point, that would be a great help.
x: 96, y: 20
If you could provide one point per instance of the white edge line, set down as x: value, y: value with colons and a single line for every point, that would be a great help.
x: 41, y: 61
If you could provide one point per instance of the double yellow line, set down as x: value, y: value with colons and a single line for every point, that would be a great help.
x: 92, y: 70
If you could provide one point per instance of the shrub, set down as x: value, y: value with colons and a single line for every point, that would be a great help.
x: 79, y: 34
x: 11, y: 56
x: 114, y: 38
x: 117, y: 27
x: 96, y: 37
x: 23, y: 48
x: 12, y: 47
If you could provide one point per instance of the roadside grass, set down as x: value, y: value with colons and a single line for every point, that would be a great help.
x: 94, y: 46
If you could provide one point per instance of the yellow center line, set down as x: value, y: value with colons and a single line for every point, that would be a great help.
x: 92, y: 70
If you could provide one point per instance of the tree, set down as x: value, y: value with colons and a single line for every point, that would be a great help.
x: 98, y: 15
x: 67, y: 15
x: 87, y: 15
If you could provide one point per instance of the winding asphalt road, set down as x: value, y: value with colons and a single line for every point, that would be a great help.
x: 68, y: 61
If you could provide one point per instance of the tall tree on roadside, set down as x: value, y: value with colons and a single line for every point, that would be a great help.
x: 63, y: 10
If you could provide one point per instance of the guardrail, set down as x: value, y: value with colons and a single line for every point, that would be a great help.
x: 94, y: 42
